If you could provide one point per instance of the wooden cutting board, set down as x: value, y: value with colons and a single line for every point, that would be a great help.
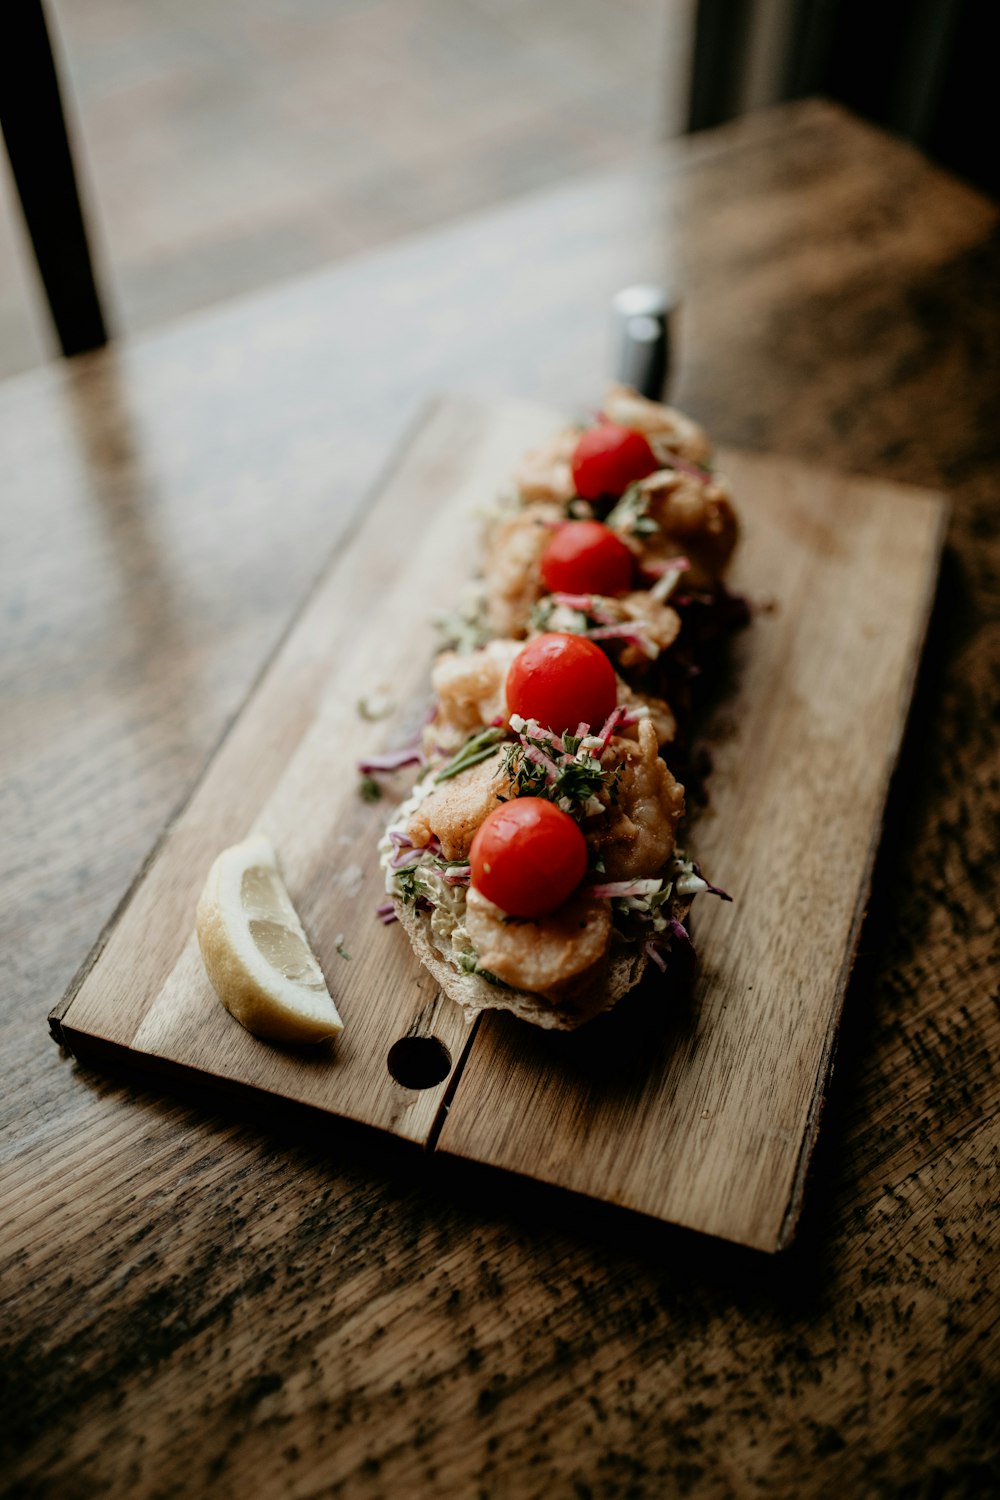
x: 702, y: 1110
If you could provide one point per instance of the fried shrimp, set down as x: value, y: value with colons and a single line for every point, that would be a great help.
x: 637, y: 832
x: 541, y: 954
x: 513, y: 581
x: 661, y: 715
x: 545, y: 473
x: 666, y: 430
x: 470, y: 693
x: 657, y: 626
x: 657, y: 620
x: 471, y: 688
x: 453, y: 811
x: 693, y: 517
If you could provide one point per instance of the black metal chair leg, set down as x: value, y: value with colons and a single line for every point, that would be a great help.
x: 34, y: 129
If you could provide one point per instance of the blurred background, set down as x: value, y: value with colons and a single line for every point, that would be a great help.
x: 227, y: 145
x: 221, y: 147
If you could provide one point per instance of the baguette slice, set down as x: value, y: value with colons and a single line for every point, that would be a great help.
x: 597, y: 993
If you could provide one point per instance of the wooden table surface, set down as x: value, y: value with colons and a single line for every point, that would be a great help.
x: 198, y: 1305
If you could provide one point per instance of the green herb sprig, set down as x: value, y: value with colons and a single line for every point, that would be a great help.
x: 477, y: 747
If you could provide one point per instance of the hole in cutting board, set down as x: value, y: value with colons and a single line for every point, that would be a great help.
x: 419, y: 1062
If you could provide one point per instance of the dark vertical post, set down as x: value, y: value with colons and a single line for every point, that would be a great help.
x: 722, y: 30
x: 34, y: 129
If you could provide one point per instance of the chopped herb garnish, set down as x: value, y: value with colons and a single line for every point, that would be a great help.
x: 491, y: 978
x: 369, y: 789
x: 464, y: 629
x: 477, y: 748
x: 374, y: 708
x: 406, y: 884
x: 631, y: 513
x: 547, y: 614
x: 469, y: 964
x: 559, y: 771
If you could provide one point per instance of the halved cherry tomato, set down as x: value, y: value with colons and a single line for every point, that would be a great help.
x: 527, y: 857
x: 586, y: 557
x: 562, y: 681
x: 609, y: 458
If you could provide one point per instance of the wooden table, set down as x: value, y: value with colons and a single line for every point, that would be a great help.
x: 198, y: 1305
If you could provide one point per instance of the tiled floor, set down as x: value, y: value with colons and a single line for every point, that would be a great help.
x: 232, y: 144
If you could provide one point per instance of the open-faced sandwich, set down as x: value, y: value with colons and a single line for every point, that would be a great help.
x: 621, y: 532
x: 536, y: 870
x: 534, y: 866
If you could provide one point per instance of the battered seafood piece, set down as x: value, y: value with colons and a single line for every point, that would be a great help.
x: 542, y: 954
x: 666, y: 430
x: 661, y: 715
x: 470, y: 693
x: 545, y: 473
x: 511, y: 572
x: 637, y: 833
x: 657, y: 621
x: 471, y: 687
x: 673, y: 513
x: 453, y: 811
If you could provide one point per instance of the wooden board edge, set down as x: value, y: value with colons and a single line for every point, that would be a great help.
x: 793, y: 1210
x: 62, y: 1034
x: 308, y: 1123
x: 57, y: 1015
x: 461, y: 1178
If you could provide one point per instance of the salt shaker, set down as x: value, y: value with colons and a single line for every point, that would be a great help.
x: 643, y: 316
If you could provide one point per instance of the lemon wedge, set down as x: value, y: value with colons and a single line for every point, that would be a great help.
x: 255, y: 951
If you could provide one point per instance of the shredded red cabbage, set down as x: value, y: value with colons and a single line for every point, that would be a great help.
x: 672, y: 461
x: 681, y: 937
x: 712, y: 890
x: 611, y: 723
x: 586, y: 604
x: 539, y: 758
x: 670, y: 565
x: 653, y: 950
x: 630, y: 633
x: 392, y: 760
x: 404, y: 851
x: 615, y: 888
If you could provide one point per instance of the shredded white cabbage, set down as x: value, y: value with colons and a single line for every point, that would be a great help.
x: 447, y: 918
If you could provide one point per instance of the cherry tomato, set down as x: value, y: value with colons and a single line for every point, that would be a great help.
x: 609, y: 458
x: 527, y: 857
x: 586, y: 557
x: 562, y: 681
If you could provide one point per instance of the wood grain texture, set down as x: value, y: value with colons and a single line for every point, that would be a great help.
x: 192, y: 1306
x: 288, y: 769
x: 226, y: 152
x: 703, y: 1118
